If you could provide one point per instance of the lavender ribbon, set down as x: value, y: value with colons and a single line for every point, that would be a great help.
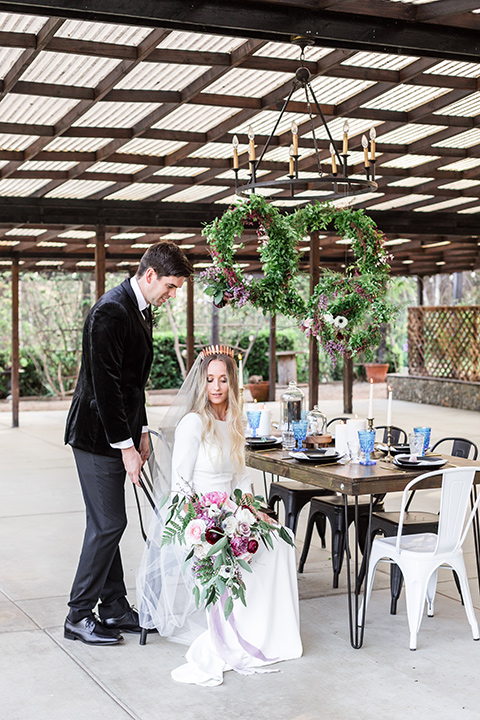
x: 216, y: 624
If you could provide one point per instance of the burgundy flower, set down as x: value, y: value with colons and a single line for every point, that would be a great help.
x: 252, y: 546
x: 213, y: 535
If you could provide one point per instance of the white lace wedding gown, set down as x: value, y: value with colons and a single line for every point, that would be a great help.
x: 267, y: 629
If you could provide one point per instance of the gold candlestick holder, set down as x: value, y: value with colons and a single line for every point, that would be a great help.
x: 389, y: 456
x: 370, y: 424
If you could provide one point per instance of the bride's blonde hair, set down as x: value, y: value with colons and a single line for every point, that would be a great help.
x: 234, y: 412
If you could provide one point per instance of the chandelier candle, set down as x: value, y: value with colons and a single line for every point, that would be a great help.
x: 365, y: 150
x: 345, y: 138
x: 334, y: 160
x: 295, y: 138
x: 373, y: 135
x: 251, y: 146
x: 235, y: 144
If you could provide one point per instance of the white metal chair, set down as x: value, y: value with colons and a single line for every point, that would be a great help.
x: 419, y: 556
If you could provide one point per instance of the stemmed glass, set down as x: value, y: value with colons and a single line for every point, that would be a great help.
x: 300, y: 433
x: 253, y: 417
x: 367, y: 442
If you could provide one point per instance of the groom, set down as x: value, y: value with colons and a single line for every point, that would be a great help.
x: 107, y: 429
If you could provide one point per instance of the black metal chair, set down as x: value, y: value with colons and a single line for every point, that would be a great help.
x: 415, y: 522
x: 399, y: 436
x: 333, y: 509
x: 294, y: 496
x: 335, y: 420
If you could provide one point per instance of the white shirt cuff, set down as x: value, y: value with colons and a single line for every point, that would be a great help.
x: 144, y: 429
x: 122, y: 445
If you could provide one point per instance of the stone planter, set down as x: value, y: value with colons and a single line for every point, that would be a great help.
x: 376, y: 372
x: 259, y: 390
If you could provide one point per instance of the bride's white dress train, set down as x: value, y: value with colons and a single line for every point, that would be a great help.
x: 267, y: 629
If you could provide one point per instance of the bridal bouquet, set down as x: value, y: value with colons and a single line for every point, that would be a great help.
x: 222, y: 535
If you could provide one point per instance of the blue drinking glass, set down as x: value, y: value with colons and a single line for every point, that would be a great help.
x: 367, y: 442
x: 300, y: 432
x: 426, y: 432
x: 253, y: 417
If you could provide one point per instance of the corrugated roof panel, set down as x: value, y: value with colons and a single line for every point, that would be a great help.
x: 198, y: 118
x: 195, y: 193
x: 462, y: 140
x: 346, y: 202
x: 11, y: 22
x: 78, y: 188
x: 160, y: 76
x: 460, y: 185
x: 243, y: 174
x: 11, y: 187
x: 73, y: 144
x: 181, y: 171
x: 34, y: 109
x: 264, y: 122
x: 461, y: 165
x: 445, y: 204
x: 69, y: 69
x: 137, y: 191
x: 78, y: 234
x: 127, y: 236
x: 292, y: 52
x: 103, y: 32
x: 46, y: 165
x: 409, y: 133
x: 178, y: 40
x: 405, y: 97
x: 214, y: 150
x: 244, y: 82
x: 16, y: 142
x: 332, y: 90
x: 400, y: 202
x: 409, y: 161
x: 114, y: 167
x: 454, y: 69
x: 355, y: 127
x: 26, y: 232
x: 139, y: 146
x: 114, y: 114
x: 470, y: 210
x: 8, y: 57
x: 467, y: 107
x: 410, y: 181
x: 380, y: 61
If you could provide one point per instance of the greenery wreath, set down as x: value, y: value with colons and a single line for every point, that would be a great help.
x: 345, y: 311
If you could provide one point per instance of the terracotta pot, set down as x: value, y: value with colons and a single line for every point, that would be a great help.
x: 376, y: 371
x: 259, y: 390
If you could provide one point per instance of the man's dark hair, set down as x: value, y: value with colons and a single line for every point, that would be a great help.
x: 166, y: 259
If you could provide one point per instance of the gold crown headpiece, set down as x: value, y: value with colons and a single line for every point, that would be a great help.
x: 217, y: 350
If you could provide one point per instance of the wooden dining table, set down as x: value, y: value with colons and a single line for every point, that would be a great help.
x: 353, y: 480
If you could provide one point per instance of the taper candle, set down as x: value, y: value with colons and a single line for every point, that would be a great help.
x: 235, y: 144
x: 251, y: 146
x: 294, y: 129
x: 240, y: 372
x: 334, y: 160
x: 365, y: 150
x: 373, y: 135
x: 345, y: 137
x: 370, y: 402
x: 389, y: 407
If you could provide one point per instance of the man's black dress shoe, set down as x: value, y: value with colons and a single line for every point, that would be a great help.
x: 128, y: 622
x: 91, y: 631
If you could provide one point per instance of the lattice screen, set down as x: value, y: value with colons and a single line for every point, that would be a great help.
x: 444, y: 342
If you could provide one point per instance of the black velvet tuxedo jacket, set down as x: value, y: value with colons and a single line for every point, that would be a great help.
x: 108, y: 405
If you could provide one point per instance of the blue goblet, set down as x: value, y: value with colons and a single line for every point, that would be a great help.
x: 300, y: 432
x: 426, y: 432
x: 253, y: 417
x: 367, y: 442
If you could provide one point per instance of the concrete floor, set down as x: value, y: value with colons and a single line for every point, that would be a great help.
x: 44, y: 677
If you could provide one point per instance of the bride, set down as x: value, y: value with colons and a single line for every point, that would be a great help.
x: 208, y: 455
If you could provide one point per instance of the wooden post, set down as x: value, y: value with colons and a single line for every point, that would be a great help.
x: 190, y: 323
x: 272, y: 358
x: 215, y: 327
x: 100, y: 262
x: 419, y: 290
x: 347, y: 385
x: 15, y: 376
x: 313, y: 364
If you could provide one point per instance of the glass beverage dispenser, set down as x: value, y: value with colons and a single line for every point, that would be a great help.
x: 291, y: 410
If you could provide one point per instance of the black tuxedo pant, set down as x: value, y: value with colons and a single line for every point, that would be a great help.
x: 99, y: 574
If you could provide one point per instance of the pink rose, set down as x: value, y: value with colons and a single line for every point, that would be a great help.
x: 243, y: 529
x: 194, y: 531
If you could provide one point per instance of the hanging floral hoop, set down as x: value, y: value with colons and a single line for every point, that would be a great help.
x: 277, y: 246
x: 345, y: 311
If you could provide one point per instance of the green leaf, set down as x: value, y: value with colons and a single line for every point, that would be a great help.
x: 218, y: 546
x: 227, y: 610
x: 243, y: 564
x: 285, y: 535
x: 220, y: 585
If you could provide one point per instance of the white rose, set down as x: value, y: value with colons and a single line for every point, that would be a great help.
x: 341, y: 321
x: 213, y: 510
x: 200, y: 551
x: 244, y: 515
x: 230, y: 525
x: 328, y: 317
